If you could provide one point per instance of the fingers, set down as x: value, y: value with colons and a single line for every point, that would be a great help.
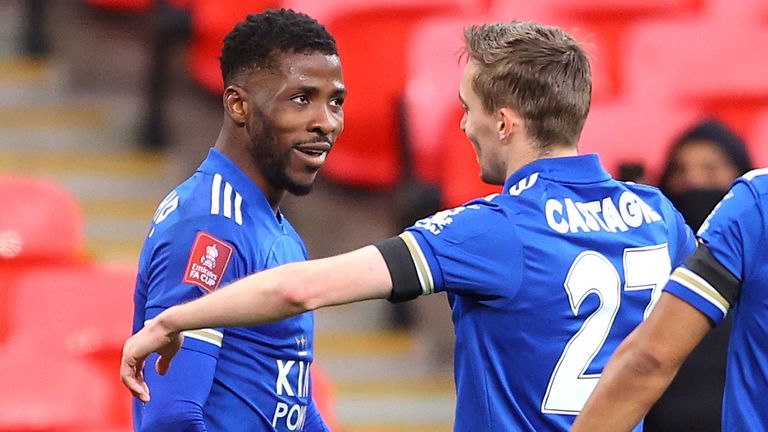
x: 135, y: 352
x: 132, y: 376
x: 162, y: 364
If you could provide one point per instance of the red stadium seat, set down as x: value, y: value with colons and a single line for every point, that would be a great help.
x: 324, y: 395
x: 617, y: 8
x: 325, y: 12
x: 630, y: 131
x: 40, y: 221
x: 599, y: 25
x: 369, y: 154
x: 134, y: 6
x: 211, y: 21
x: 80, y: 311
x: 50, y: 393
x: 130, y: 6
x: 758, y: 140
x: 461, y: 179
x: 744, y: 11
x: 431, y: 92
x: 707, y: 64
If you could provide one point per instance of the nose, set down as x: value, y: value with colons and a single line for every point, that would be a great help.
x: 696, y: 179
x: 326, y: 121
x: 463, y: 122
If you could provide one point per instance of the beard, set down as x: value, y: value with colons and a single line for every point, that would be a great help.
x: 272, y: 161
x: 492, y: 172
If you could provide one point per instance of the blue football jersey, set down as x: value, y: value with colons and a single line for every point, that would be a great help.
x: 736, y: 233
x: 212, y: 229
x: 545, y: 280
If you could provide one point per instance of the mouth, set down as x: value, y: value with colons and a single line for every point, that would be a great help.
x: 313, y: 154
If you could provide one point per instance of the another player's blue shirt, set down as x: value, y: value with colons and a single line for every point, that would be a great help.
x: 214, y: 228
x: 736, y: 234
x: 545, y: 279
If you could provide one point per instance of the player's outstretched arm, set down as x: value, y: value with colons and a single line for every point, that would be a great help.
x: 263, y: 297
x: 643, y: 366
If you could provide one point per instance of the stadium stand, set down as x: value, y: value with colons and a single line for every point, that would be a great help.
x: 47, y: 394
x: 634, y: 132
x: 211, y: 21
x: 81, y: 313
x: 600, y: 26
x: 324, y: 395
x: 745, y: 11
x: 40, y: 300
x: 40, y: 223
x: 55, y: 233
x: 758, y: 140
x: 430, y: 94
x: 618, y: 8
x: 371, y: 43
x: 719, y: 71
x: 135, y: 6
x: 325, y: 12
x: 124, y: 6
x: 462, y: 181
x: 658, y: 65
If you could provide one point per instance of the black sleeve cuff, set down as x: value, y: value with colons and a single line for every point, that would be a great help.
x: 402, y: 270
x: 704, y: 264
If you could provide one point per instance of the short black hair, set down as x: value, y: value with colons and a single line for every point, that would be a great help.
x: 253, y: 42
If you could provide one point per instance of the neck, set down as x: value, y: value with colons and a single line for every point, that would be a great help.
x: 233, y: 143
x: 559, y: 151
x: 531, y: 153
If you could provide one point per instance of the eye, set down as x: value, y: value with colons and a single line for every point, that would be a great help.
x: 337, y: 102
x: 301, y: 99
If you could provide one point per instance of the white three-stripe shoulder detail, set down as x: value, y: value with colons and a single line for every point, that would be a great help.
x: 227, y: 202
x: 215, y: 193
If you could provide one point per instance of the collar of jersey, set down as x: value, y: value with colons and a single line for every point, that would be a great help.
x: 217, y: 162
x: 571, y: 169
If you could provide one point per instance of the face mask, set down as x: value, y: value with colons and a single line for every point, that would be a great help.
x: 696, y: 204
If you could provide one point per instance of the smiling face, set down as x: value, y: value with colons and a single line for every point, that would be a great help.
x: 482, y: 130
x: 295, y: 118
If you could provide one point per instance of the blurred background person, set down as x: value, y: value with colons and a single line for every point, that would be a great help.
x: 701, y: 165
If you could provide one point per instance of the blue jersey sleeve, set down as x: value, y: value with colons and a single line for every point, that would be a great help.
x: 178, y: 398
x: 731, y: 228
x: 190, y: 259
x: 455, y: 251
x: 728, y: 234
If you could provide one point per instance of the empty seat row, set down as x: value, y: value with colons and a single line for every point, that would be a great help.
x: 64, y: 319
x: 682, y: 57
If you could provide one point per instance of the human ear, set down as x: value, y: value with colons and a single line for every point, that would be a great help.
x: 236, y: 104
x: 508, y: 122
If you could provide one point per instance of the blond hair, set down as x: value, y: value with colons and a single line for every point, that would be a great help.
x: 538, y: 70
